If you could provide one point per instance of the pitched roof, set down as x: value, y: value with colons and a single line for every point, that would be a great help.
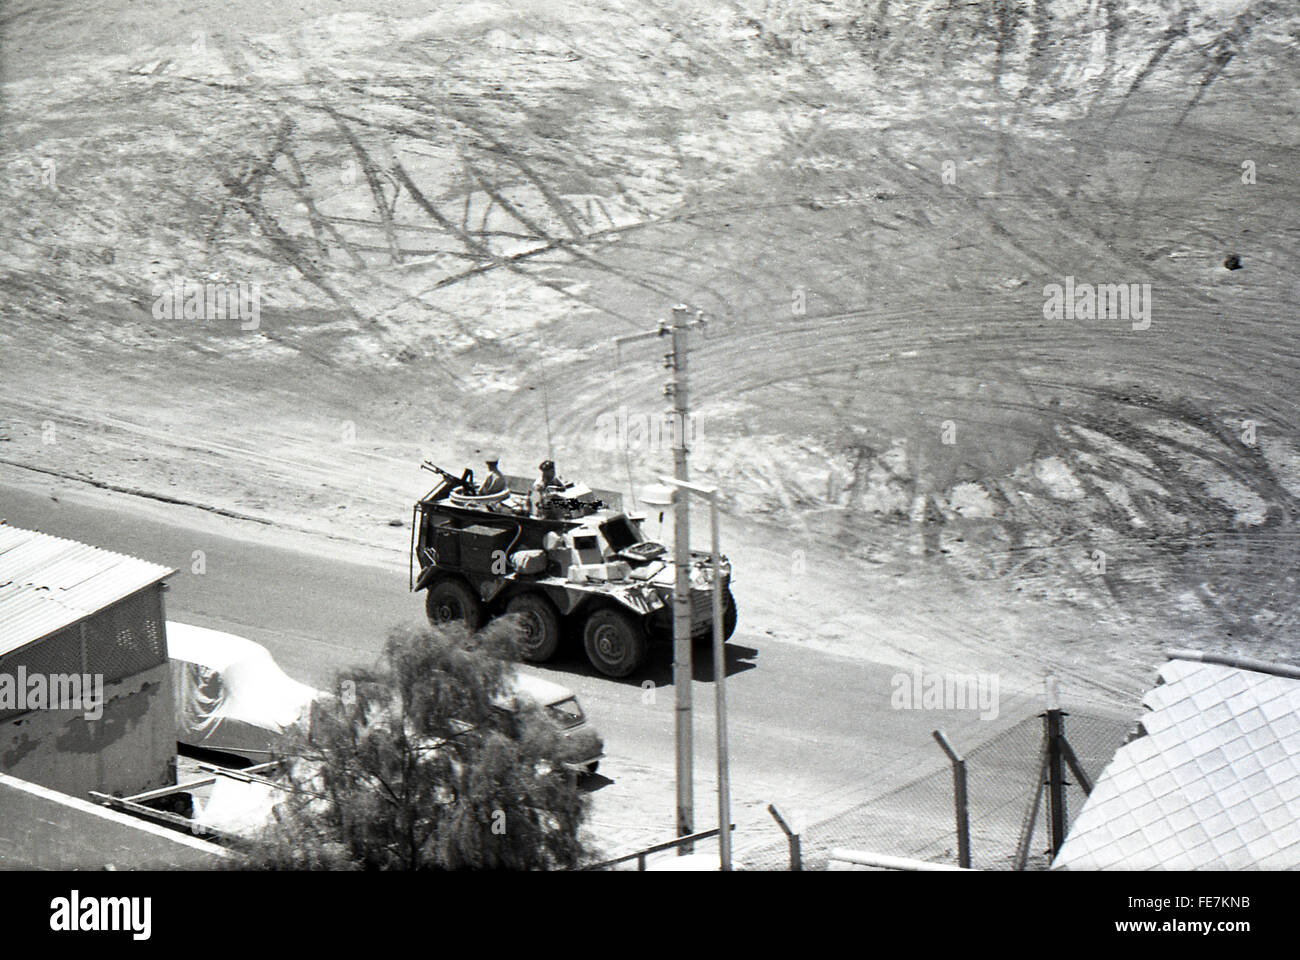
x: 47, y: 583
x: 1213, y: 784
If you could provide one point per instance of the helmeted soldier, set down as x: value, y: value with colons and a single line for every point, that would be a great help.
x: 544, y: 488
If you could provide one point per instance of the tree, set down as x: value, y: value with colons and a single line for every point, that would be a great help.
x: 415, y: 765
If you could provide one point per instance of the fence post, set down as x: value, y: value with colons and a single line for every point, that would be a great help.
x: 796, y: 852
x: 959, y: 798
x: 1052, y: 721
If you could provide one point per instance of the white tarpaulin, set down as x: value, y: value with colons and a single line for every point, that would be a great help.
x: 230, y: 693
x: 238, y: 808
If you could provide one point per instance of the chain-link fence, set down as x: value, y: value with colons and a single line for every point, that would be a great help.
x: 918, y: 820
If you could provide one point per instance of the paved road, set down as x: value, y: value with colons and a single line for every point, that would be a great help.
x: 807, y: 729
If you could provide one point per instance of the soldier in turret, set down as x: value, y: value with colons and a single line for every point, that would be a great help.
x: 544, y: 488
x: 494, y: 482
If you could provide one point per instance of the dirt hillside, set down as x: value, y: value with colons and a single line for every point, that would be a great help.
x: 447, y: 213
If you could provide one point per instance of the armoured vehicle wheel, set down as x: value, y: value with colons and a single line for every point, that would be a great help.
x: 729, y: 615
x: 729, y: 619
x: 615, y: 641
x: 540, y: 623
x: 449, y: 600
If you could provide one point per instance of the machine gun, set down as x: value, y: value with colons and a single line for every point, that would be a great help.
x: 464, y: 482
x: 571, y: 505
x: 554, y: 498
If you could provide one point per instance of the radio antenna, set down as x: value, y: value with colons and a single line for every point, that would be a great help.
x: 546, y: 409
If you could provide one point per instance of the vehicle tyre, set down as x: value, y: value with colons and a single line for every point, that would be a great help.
x: 540, y: 626
x: 729, y: 615
x: 615, y: 641
x: 729, y: 620
x: 450, y: 600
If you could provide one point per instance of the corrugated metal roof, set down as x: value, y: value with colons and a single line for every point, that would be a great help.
x: 1213, y: 785
x: 47, y: 583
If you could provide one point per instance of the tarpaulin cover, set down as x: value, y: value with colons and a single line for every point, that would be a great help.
x: 230, y: 693
x: 238, y: 808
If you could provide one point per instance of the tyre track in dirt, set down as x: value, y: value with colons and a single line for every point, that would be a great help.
x: 744, y: 256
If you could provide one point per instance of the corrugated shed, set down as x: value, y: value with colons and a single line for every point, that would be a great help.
x: 1213, y: 785
x: 47, y: 583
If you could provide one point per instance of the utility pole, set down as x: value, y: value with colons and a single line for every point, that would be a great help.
x: 719, y: 668
x: 676, y: 361
x: 682, y: 667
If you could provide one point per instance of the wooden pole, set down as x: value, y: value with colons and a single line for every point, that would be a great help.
x: 682, y: 669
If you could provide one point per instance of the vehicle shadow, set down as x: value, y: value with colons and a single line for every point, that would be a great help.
x: 658, y: 668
